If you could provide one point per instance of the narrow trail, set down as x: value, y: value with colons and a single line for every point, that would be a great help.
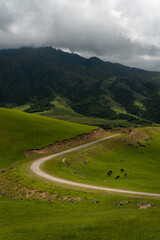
x: 35, y: 167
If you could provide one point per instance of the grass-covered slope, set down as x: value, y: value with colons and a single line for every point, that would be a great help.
x: 60, y: 107
x: 137, y: 154
x: 22, y: 131
x: 32, y: 208
x: 107, y: 220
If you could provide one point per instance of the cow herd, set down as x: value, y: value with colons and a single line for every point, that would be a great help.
x: 109, y: 174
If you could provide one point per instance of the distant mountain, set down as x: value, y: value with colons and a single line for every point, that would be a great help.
x: 92, y: 86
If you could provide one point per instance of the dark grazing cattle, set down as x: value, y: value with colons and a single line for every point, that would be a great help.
x: 125, y: 174
x: 110, y: 171
x: 109, y: 174
x: 117, y: 177
x: 122, y: 170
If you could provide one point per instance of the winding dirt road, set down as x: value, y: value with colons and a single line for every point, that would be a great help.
x: 35, y: 167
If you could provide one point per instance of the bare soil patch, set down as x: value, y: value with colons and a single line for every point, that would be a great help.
x: 144, y: 205
x: 134, y: 135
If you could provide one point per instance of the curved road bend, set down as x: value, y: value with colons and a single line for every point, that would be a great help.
x: 35, y: 167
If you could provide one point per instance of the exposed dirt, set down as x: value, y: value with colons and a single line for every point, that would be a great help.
x: 144, y: 205
x: 134, y: 135
x: 122, y: 130
x: 16, y: 190
x: 141, y: 205
x: 78, y: 199
x: 29, y: 192
x: 69, y: 142
x: 65, y: 198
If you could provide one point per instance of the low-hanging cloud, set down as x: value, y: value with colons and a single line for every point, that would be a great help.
x: 121, y: 31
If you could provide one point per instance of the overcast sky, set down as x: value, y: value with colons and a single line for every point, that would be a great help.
x: 121, y: 31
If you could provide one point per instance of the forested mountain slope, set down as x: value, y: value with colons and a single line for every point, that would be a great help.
x: 92, y: 86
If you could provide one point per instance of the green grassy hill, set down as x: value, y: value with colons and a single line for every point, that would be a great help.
x: 32, y: 208
x: 59, y: 108
x: 137, y: 153
x: 22, y: 131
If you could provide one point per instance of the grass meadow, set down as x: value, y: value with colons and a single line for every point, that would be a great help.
x: 32, y: 208
x: 43, y: 220
x: 137, y: 155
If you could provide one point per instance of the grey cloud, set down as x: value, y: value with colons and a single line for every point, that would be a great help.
x: 116, y: 30
x: 5, y: 16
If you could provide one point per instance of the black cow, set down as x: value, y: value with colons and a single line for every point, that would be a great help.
x: 117, y: 177
x: 109, y: 174
x: 122, y: 170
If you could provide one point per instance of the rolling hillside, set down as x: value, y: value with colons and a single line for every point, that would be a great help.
x: 23, y: 131
x: 137, y: 154
x: 33, y: 208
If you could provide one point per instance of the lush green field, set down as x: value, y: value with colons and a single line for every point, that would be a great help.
x: 32, y: 208
x: 111, y: 218
x: 22, y: 131
x: 140, y: 163
x: 73, y: 214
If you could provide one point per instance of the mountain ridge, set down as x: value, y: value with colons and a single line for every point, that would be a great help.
x: 91, y: 85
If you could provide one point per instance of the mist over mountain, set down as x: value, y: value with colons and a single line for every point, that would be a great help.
x: 114, y: 30
x: 92, y: 86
